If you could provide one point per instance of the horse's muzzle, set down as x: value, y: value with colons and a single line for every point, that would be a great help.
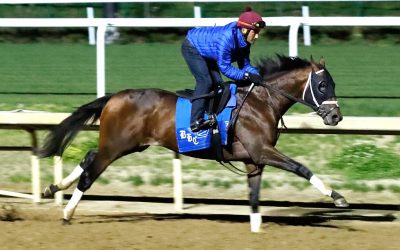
x: 330, y: 113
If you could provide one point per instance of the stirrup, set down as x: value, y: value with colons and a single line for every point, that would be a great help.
x: 202, y: 124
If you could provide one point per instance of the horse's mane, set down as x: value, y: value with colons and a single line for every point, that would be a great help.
x: 271, y: 67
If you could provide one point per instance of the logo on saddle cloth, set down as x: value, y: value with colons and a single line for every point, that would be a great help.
x: 189, y: 141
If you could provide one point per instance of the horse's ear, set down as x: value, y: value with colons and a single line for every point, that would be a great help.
x: 322, y: 61
x: 311, y: 58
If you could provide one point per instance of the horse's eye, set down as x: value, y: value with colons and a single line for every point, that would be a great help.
x: 322, y: 87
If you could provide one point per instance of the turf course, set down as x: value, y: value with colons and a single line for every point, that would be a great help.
x: 359, y: 69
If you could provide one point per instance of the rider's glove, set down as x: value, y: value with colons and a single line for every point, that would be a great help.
x: 254, y: 78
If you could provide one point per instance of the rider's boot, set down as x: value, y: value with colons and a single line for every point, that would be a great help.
x: 201, y: 124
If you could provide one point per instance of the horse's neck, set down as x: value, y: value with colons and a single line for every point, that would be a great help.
x: 290, y: 83
x: 263, y: 102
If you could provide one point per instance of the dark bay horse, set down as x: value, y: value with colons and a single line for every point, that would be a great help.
x: 134, y: 119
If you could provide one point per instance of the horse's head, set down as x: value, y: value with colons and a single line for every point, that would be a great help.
x: 303, y: 81
x: 319, y: 91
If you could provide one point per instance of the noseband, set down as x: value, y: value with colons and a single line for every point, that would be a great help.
x: 323, y: 113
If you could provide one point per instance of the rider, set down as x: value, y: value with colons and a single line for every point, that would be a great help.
x: 211, y: 50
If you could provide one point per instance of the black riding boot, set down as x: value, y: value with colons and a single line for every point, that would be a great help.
x: 197, y: 121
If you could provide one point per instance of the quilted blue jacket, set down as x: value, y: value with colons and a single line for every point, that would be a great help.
x: 225, y: 45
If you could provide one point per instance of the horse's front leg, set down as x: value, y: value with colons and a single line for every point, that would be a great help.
x: 65, y: 183
x: 274, y: 158
x: 254, y: 174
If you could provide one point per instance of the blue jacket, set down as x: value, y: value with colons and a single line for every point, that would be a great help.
x: 225, y: 45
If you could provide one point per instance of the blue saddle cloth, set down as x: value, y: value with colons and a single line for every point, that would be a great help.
x: 189, y: 141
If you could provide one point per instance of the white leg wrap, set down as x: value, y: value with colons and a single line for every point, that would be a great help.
x: 73, y: 176
x: 318, y: 184
x: 255, y: 222
x: 72, y: 204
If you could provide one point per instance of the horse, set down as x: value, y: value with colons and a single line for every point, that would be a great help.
x: 134, y: 119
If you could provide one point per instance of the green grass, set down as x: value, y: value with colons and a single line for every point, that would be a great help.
x: 136, y: 180
x: 209, y: 9
x: 359, y: 69
x: 202, y: 183
x: 160, y: 180
x: 354, y: 186
x: 395, y: 189
x: 18, y: 178
x: 103, y: 181
x: 266, y: 184
x: 366, y: 162
x: 222, y: 183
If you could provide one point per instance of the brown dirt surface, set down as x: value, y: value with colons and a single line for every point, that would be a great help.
x: 28, y: 226
x: 105, y: 225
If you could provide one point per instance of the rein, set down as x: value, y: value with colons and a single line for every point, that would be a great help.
x: 269, y: 86
x: 290, y: 97
x: 232, y: 121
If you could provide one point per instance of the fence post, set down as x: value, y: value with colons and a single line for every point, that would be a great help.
x: 35, y: 165
x: 293, y: 33
x: 177, y: 173
x: 101, y: 64
x: 197, y: 11
x: 306, y: 28
x: 58, y: 175
x: 91, y: 30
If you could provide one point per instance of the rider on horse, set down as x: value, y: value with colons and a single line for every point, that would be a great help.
x: 211, y: 50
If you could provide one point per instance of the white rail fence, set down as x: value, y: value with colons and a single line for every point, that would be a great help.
x: 34, y: 121
x: 102, y: 23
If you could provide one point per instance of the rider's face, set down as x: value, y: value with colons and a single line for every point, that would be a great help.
x: 252, y: 35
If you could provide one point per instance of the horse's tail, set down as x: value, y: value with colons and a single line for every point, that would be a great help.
x: 62, y: 135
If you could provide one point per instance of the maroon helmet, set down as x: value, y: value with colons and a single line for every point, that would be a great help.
x: 250, y: 19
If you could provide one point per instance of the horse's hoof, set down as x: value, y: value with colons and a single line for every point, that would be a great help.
x: 66, y: 222
x: 50, y: 191
x: 338, y: 199
x: 47, y: 193
x: 341, y: 202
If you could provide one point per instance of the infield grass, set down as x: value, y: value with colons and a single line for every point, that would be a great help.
x: 359, y: 69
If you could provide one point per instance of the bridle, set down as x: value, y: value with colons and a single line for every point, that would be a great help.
x: 316, y: 105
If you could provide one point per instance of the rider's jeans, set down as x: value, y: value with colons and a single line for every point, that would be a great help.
x: 205, y: 72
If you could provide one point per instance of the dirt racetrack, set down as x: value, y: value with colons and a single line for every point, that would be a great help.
x: 27, y: 226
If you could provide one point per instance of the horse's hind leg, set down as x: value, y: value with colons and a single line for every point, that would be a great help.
x: 72, y: 177
x: 95, y: 164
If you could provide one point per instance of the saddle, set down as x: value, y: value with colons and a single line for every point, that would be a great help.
x: 217, y: 98
x: 217, y: 101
